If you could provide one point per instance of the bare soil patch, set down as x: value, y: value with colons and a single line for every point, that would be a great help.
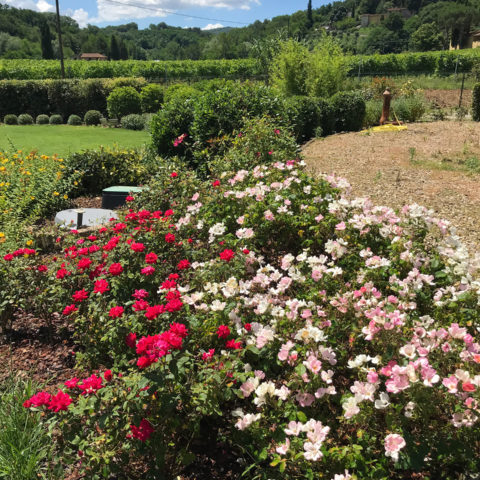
x: 448, y: 98
x: 432, y: 164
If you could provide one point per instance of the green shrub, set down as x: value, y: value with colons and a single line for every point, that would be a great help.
x: 10, y: 119
x: 259, y: 142
x: 373, y: 112
x: 63, y: 97
x: 106, y: 167
x: 92, y: 117
x: 409, y: 109
x: 476, y: 103
x: 74, y: 120
x: 348, y: 110
x: 173, y: 120
x: 111, y: 84
x: 133, y: 122
x: 151, y: 98
x: 123, y: 101
x: 55, y: 120
x: 179, y: 91
x: 326, y: 68
x: 42, y: 119
x: 297, y: 71
x: 25, y: 119
x: 289, y: 68
x: 306, y: 114
x: 222, y: 111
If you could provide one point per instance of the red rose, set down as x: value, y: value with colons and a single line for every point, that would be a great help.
x: 223, y: 331
x: 115, y: 269
x: 227, y: 255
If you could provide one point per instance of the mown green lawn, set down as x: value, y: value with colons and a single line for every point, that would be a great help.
x: 65, y: 139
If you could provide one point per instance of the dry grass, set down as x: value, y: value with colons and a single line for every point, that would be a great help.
x: 432, y: 164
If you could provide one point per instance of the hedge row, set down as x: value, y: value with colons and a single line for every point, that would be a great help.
x: 64, y: 97
x: 441, y: 62
x: 152, y: 70
x: 204, y: 118
x: 444, y: 62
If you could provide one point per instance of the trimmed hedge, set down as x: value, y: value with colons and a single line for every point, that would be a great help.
x: 74, y: 120
x: 10, y: 119
x: 25, y: 119
x: 42, y: 119
x: 476, y: 103
x: 348, y: 110
x: 205, y: 117
x: 133, y: 122
x: 67, y: 97
x: 56, y: 120
x: 123, y: 101
x: 92, y: 117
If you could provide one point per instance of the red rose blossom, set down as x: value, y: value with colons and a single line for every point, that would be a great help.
x: 227, y: 255
x: 223, y: 331
x: 115, y: 269
x: 116, y: 312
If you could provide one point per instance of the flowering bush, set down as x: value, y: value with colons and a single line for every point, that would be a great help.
x: 313, y: 333
x: 30, y: 186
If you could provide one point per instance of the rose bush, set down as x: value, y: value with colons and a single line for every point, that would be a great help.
x: 312, y: 333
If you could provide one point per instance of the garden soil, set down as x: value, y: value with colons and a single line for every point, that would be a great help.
x: 433, y: 164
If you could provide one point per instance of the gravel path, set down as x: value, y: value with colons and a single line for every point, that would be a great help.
x: 426, y: 164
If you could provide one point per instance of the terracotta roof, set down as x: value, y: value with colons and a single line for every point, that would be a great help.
x: 92, y: 55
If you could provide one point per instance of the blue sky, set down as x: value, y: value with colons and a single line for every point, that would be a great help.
x: 216, y: 13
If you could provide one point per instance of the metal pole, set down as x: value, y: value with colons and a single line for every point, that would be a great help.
x: 60, y: 43
x: 461, y: 91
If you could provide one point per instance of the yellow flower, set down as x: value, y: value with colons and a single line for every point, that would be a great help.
x: 65, y: 197
x: 2, y: 235
x: 29, y: 242
x: 56, y: 194
x: 300, y: 233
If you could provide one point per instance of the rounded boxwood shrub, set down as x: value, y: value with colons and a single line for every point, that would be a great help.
x: 92, y: 117
x: 151, y: 98
x: 133, y: 122
x: 55, y: 119
x: 349, y: 111
x: 74, y: 120
x: 123, y: 101
x: 25, y: 119
x: 10, y: 119
x: 42, y: 119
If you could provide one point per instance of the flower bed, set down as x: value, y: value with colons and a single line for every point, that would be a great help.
x: 311, y: 333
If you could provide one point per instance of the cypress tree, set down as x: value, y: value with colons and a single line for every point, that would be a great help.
x: 46, y: 41
x: 309, y: 15
x: 114, y: 50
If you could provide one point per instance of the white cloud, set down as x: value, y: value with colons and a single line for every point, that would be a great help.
x: 111, y: 12
x: 44, y: 6
x: 39, y: 6
x: 80, y: 16
x: 108, y: 12
x: 212, y: 26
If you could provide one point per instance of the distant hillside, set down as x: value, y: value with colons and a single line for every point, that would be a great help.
x: 361, y: 26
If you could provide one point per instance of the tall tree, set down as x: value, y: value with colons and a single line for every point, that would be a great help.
x: 309, y: 24
x: 114, y: 50
x: 46, y: 41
